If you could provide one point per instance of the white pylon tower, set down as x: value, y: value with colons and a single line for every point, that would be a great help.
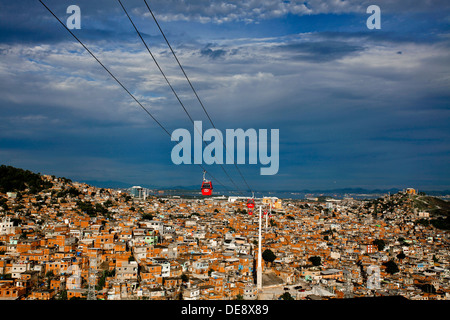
x: 268, y: 213
x: 91, y: 295
x: 259, y: 266
x: 267, y: 217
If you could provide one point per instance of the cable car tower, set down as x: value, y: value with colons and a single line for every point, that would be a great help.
x: 251, y: 202
x: 92, y: 277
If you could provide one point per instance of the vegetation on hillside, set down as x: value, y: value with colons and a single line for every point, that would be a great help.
x: 439, y: 210
x: 14, y: 179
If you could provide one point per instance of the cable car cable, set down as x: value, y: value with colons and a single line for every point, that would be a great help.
x: 120, y: 83
x: 171, y: 87
x: 192, y: 87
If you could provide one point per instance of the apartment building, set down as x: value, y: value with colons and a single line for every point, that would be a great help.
x: 126, y: 270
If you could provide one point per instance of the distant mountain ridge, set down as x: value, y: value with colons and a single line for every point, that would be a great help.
x: 11, y: 178
x: 346, y: 190
x: 119, y: 184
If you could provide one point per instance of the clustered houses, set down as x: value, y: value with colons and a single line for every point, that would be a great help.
x: 72, y: 238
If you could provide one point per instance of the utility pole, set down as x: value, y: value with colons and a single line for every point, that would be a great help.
x: 267, y: 218
x: 259, y: 267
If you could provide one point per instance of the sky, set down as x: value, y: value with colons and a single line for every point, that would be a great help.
x: 355, y: 107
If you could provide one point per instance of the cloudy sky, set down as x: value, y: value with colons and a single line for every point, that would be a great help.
x: 355, y: 107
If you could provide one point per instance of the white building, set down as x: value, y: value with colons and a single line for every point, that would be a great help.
x: 165, y: 266
x: 6, y: 226
x: 191, y: 294
x: 233, y: 199
x: 250, y: 292
x: 19, y: 268
x: 127, y: 271
x: 74, y: 281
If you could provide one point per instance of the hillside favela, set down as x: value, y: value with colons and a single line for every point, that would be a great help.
x: 62, y: 240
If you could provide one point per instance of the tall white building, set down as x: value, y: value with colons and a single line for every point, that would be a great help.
x: 6, y: 226
x: 139, y: 192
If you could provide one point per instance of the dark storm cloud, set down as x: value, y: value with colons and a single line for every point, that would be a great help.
x: 321, y: 51
x: 30, y: 22
x: 212, y: 53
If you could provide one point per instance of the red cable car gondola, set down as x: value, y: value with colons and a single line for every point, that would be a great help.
x: 207, y: 187
x: 250, y: 203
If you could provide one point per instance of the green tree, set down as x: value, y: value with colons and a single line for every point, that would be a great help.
x: 316, y: 261
x: 3, y: 204
x: 428, y: 288
x: 401, y: 256
x: 286, y: 296
x: 268, y: 256
x: 441, y: 223
x: 86, y: 207
x: 63, y: 295
x: 101, y: 281
x: 73, y: 192
x: 380, y: 244
x: 391, y: 267
x: 100, y: 209
x: 49, y: 275
x: 108, y: 203
x: 15, y: 179
x: 147, y: 216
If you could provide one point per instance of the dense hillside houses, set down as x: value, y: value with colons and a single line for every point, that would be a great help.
x: 66, y: 240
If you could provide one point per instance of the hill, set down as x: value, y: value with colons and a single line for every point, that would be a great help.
x: 439, y: 211
x: 435, y: 206
x: 15, y: 179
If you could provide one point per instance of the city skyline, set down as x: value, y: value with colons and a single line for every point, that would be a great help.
x: 354, y: 107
